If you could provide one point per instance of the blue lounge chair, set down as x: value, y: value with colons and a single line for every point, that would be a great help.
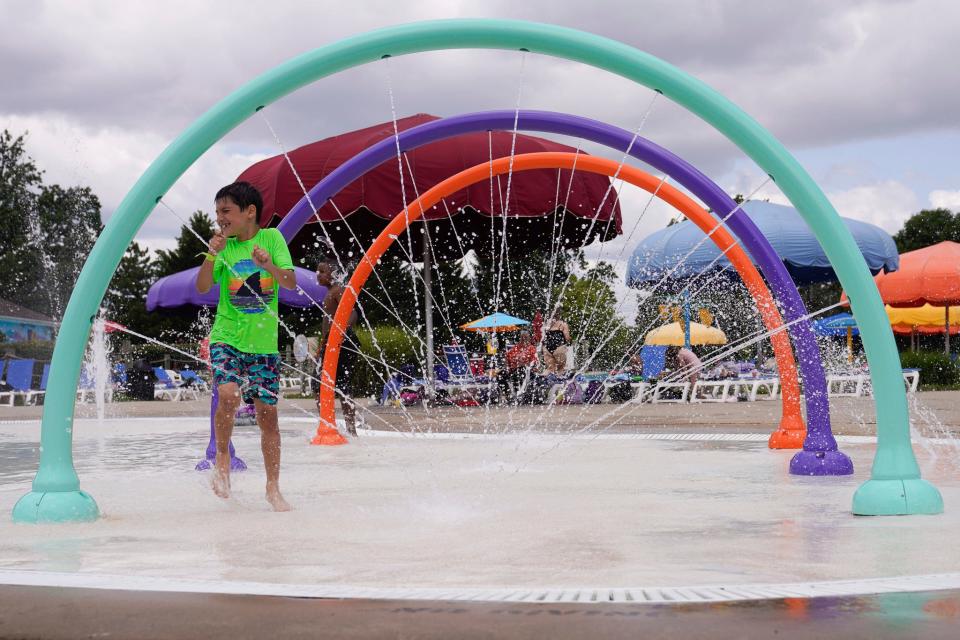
x: 654, y: 360
x: 19, y: 379
x: 458, y: 364
x: 88, y: 387
x: 166, y: 387
x: 35, y: 394
x: 193, y: 378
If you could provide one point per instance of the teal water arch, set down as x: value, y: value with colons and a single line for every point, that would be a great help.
x: 895, y: 486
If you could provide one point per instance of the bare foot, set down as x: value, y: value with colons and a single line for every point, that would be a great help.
x: 276, y: 500
x: 221, y: 483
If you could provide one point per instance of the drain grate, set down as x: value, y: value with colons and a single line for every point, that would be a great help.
x: 596, y: 596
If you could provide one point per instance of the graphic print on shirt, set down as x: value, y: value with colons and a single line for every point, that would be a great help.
x: 251, y: 281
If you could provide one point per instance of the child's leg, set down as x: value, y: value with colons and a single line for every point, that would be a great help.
x: 269, y: 439
x: 226, y: 367
x: 349, y: 414
x: 270, y: 445
x: 228, y: 399
x: 264, y: 375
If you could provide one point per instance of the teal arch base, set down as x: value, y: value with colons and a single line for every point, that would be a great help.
x: 910, y: 496
x: 895, y: 486
x: 56, y: 506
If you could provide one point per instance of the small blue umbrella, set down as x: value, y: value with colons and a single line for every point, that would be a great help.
x: 836, y: 325
x: 494, y: 322
x: 840, y: 324
x: 787, y: 232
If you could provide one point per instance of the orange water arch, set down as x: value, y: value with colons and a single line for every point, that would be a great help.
x: 791, y: 431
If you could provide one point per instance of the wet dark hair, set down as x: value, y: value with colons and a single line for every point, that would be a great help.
x: 243, y: 195
x: 327, y: 253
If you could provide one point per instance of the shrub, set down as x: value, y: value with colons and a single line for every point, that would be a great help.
x: 41, y: 350
x: 935, y: 368
x: 396, y: 348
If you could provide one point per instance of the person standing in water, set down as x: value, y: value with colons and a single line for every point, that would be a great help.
x: 248, y: 263
x: 347, y: 363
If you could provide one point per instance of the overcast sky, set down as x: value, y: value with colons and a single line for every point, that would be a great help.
x: 864, y: 93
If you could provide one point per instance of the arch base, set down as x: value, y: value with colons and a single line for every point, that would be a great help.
x: 898, y: 497
x: 821, y: 463
x: 328, y: 436
x: 790, y: 435
x: 56, y: 506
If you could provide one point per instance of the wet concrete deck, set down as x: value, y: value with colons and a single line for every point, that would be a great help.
x: 36, y: 612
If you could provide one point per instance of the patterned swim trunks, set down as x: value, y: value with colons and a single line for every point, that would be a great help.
x: 257, y: 374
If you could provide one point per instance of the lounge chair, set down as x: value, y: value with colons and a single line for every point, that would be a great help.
x: 87, y: 386
x: 289, y: 384
x: 911, y: 378
x: 3, y: 368
x: 191, y: 383
x: 34, y: 395
x: 718, y: 390
x: 660, y: 394
x: 847, y: 384
x: 753, y: 386
x: 19, y: 378
x: 460, y: 378
x: 458, y: 365
x: 166, y: 388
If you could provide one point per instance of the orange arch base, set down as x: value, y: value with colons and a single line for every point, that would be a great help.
x: 791, y: 431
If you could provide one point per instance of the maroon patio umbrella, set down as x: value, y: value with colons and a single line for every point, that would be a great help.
x: 536, y: 214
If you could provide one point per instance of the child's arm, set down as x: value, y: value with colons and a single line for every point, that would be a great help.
x: 285, y: 277
x: 205, y: 276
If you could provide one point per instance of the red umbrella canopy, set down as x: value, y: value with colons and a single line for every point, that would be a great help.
x: 536, y: 215
x: 926, y: 276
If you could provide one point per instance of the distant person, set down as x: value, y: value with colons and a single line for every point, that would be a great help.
x: 684, y: 363
x: 556, y: 337
x: 248, y: 263
x: 347, y: 362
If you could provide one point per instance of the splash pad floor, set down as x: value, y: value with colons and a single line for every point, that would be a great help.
x: 529, y: 516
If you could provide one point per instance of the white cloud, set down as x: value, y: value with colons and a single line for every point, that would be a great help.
x: 886, y: 204
x: 943, y: 198
x: 110, y: 160
x: 104, y: 87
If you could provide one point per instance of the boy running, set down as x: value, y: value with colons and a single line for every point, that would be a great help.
x: 248, y: 263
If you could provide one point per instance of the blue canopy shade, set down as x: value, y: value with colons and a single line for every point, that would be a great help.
x: 836, y: 325
x: 179, y: 290
x: 787, y: 232
x: 494, y: 322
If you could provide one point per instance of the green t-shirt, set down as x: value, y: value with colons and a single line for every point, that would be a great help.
x: 242, y: 320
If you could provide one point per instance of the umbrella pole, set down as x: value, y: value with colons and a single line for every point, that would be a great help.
x: 946, y: 329
x: 428, y: 306
x: 850, y: 345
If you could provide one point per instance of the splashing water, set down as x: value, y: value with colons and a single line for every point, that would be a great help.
x: 97, y: 364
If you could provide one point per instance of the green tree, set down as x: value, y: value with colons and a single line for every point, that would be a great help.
x: 185, y: 254
x: 928, y: 227
x: 48, y: 230
x: 127, y: 294
x: 20, y: 184
x: 66, y: 226
x: 589, y: 305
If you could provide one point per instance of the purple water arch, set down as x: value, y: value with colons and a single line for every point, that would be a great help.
x: 820, y: 455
